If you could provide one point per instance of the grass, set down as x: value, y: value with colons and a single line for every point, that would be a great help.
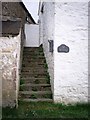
x: 46, y: 110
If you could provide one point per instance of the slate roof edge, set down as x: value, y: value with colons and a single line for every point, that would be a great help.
x: 28, y: 13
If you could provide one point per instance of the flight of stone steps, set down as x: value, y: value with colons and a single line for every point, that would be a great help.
x: 35, y: 81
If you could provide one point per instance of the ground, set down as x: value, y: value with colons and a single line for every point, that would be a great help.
x: 45, y: 110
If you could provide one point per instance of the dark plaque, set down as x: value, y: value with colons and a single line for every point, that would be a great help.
x: 63, y: 48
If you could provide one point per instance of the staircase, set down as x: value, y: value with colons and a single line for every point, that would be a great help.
x: 35, y: 81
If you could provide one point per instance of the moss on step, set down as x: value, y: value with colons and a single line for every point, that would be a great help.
x: 45, y: 66
x: 33, y: 96
x: 34, y: 89
x: 22, y: 81
x: 37, y: 81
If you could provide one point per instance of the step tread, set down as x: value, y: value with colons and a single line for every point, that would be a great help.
x: 35, y: 78
x: 32, y: 70
x: 35, y: 92
x: 34, y: 67
x: 35, y: 73
x: 37, y: 100
x: 35, y: 85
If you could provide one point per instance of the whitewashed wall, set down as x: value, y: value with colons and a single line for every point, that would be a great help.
x: 48, y: 34
x: 71, y: 69
x: 32, y: 35
x: 41, y: 28
x: 10, y: 59
x: 67, y: 23
x: 89, y: 51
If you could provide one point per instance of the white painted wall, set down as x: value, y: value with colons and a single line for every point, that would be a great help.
x: 32, y: 35
x: 71, y: 69
x: 67, y: 24
x: 41, y: 28
x: 48, y: 34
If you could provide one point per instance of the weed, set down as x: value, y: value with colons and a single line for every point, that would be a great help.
x: 33, y: 96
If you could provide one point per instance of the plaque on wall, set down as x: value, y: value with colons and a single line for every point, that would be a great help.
x: 63, y: 48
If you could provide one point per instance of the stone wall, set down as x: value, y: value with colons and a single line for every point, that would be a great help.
x: 48, y: 34
x: 10, y: 58
x: 71, y: 69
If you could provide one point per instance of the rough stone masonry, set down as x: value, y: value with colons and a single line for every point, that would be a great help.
x: 10, y: 57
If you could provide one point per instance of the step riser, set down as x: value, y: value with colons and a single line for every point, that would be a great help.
x: 33, y: 50
x: 39, y: 88
x: 34, y: 72
x: 36, y: 96
x: 27, y: 71
x: 34, y: 60
x: 37, y: 100
x: 34, y: 75
x: 33, y: 57
x: 34, y: 81
x: 33, y: 53
x: 33, y: 64
x: 34, y: 68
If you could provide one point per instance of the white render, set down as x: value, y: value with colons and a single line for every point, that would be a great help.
x: 41, y: 29
x: 47, y: 33
x: 32, y: 35
x: 68, y: 71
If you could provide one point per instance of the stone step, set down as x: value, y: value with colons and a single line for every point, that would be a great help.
x: 33, y: 62
x: 35, y: 94
x: 40, y: 80
x: 37, y: 72
x: 33, y: 65
x: 33, y: 53
x: 35, y: 68
x: 34, y: 75
x: 33, y: 57
x: 33, y: 49
x: 27, y: 70
x: 35, y: 87
x: 37, y: 100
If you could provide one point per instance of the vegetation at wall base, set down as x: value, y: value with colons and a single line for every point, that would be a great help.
x: 38, y: 110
